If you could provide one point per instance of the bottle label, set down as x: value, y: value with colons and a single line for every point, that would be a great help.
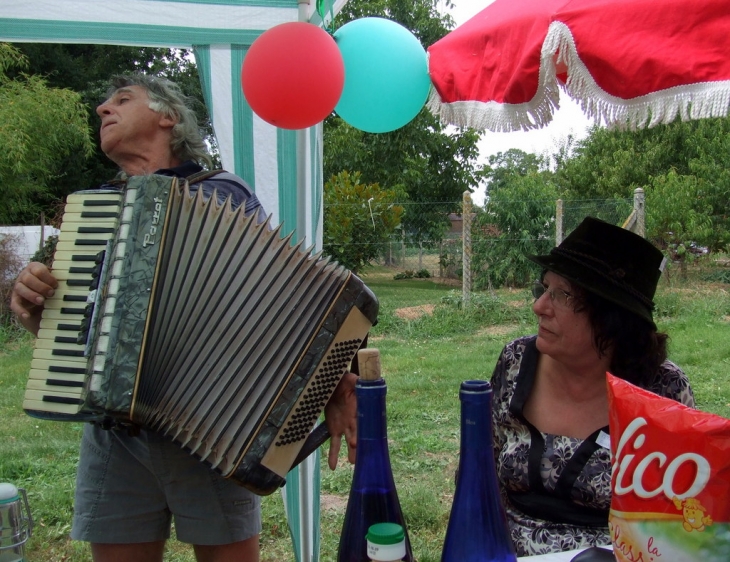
x: 386, y: 552
x: 669, y: 479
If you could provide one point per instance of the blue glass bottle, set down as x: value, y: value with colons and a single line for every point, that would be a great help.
x: 477, y: 530
x: 373, y: 496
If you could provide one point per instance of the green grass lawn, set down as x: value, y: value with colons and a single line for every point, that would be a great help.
x: 424, y: 359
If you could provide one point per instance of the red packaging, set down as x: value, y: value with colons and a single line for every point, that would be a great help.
x: 670, y: 479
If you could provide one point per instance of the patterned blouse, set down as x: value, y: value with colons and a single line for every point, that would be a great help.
x: 566, y: 471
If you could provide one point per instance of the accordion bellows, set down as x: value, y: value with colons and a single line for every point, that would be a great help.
x: 206, y: 326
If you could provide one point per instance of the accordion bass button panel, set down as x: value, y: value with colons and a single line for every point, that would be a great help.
x: 58, y: 369
x: 335, y: 362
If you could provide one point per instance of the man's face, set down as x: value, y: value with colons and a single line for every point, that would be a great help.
x: 128, y: 123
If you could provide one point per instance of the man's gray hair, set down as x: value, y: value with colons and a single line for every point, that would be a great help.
x: 167, y: 98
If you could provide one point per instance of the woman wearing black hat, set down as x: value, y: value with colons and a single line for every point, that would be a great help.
x: 552, y: 446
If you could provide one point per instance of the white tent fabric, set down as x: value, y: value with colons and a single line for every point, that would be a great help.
x: 283, y: 167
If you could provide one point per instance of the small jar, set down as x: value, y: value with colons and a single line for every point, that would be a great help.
x: 386, y: 542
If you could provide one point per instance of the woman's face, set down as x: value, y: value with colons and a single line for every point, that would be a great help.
x: 563, y: 334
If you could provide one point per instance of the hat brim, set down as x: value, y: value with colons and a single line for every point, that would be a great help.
x: 593, y: 282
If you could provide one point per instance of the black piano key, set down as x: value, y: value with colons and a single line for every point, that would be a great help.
x: 58, y: 382
x: 95, y: 230
x: 68, y: 353
x: 69, y: 370
x: 102, y: 203
x: 87, y: 270
x: 85, y: 257
x: 74, y: 298
x: 69, y: 327
x: 98, y: 215
x: 62, y: 399
x: 78, y: 282
x: 64, y: 339
x: 90, y: 242
x: 68, y: 310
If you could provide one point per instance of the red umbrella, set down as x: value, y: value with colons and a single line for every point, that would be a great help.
x: 632, y: 63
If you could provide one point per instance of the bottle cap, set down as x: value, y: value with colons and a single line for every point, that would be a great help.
x: 475, y: 387
x: 386, y: 542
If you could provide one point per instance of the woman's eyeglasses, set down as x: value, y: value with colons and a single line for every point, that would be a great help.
x: 557, y: 296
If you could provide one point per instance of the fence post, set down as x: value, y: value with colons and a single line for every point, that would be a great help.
x: 466, y: 249
x: 639, y: 210
x: 558, y: 222
x: 441, y: 261
x: 403, y: 244
x: 42, y: 242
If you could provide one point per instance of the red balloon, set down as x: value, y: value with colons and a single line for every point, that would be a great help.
x: 293, y: 75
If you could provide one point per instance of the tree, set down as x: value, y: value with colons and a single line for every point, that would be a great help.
x: 40, y: 127
x: 86, y: 69
x: 519, y: 220
x: 680, y: 217
x: 693, y: 157
x: 505, y: 167
x: 360, y: 219
x: 424, y: 162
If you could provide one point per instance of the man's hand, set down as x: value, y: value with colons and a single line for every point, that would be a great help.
x: 32, y: 287
x: 340, y: 415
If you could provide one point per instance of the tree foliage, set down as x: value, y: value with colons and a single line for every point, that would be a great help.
x: 684, y: 168
x: 519, y: 220
x: 360, y: 218
x: 40, y: 127
x: 423, y: 161
x: 86, y: 70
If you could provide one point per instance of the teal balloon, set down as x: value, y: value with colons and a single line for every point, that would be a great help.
x: 386, y: 75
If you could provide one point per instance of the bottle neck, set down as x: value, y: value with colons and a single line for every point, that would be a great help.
x: 476, y: 429
x: 371, y: 414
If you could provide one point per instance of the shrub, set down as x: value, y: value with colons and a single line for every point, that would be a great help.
x: 10, y: 265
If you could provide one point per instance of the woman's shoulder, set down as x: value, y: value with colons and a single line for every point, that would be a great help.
x: 519, y: 345
x: 510, y: 360
x: 672, y: 382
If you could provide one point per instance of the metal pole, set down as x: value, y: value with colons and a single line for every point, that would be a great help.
x: 558, y: 222
x: 306, y: 474
x: 301, y: 134
x: 466, y: 216
x: 639, y: 210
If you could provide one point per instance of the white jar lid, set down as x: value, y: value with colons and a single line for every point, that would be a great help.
x: 8, y: 492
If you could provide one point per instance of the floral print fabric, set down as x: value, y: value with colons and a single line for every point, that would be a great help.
x: 512, y: 440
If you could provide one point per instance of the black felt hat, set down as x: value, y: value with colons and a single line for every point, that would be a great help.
x: 611, y: 262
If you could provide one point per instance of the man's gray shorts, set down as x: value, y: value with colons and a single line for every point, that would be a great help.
x: 129, y: 487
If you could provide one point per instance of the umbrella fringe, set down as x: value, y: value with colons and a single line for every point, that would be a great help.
x: 693, y: 101
x: 689, y: 102
x: 495, y: 116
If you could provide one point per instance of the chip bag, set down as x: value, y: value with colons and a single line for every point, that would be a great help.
x: 670, y: 479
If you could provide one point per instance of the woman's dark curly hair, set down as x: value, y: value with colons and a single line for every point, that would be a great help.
x: 637, y: 348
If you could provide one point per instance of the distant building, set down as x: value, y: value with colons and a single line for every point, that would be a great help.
x: 457, y: 223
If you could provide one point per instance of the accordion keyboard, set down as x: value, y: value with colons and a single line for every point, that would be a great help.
x: 58, y: 369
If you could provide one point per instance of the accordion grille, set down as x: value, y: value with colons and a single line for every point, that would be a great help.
x: 233, y: 303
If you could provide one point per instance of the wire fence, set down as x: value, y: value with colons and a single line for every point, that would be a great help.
x: 430, y: 241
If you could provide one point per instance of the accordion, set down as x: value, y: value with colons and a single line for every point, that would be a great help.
x: 181, y: 314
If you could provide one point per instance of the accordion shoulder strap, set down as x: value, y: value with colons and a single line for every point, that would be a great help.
x: 203, y: 175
